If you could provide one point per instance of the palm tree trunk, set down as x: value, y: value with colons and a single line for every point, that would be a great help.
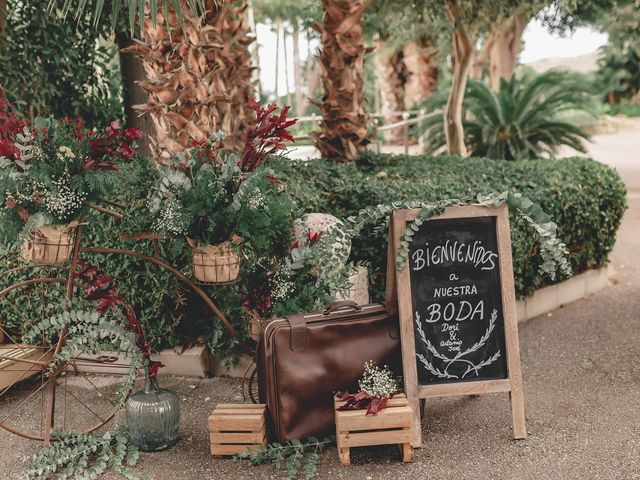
x: 390, y: 83
x: 461, y: 56
x: 421, y: 70
x: 505, y: 48
x: 132, y: 72
x: 198, y: 78
x: 297, y: 70
x: 344, y: 128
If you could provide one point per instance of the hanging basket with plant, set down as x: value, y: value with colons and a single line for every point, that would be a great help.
x: 242, y: 228
x: 216, y: 263
x: 51, y: 172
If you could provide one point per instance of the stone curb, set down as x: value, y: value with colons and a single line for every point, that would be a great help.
x: 555, y: 296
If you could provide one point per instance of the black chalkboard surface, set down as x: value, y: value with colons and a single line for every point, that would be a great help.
x: 457, y: 301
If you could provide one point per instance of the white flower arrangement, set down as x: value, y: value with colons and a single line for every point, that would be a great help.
x: 378, y: 382
x: 63, y: 200
x: 281, y: 286
x: 170, y: 218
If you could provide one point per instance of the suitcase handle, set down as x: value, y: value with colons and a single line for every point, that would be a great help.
x: 298, y: 323
x: 340, y: 305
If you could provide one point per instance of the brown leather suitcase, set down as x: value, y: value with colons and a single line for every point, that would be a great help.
x: 302, y: 360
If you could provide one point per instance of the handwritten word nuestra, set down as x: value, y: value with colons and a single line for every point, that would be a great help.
x: 454, y: 291
x: 454, y: 252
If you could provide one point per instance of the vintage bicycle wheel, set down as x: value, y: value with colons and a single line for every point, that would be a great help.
x: 80, y: 395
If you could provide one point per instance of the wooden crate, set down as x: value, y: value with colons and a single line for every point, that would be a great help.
x: 354, y: 428
x: 236, y: 427
x: 16, y: 363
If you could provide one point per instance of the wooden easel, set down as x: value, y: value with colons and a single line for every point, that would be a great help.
x: 399, y: 300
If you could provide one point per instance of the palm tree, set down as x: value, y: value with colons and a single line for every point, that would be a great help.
x: 344, y: 130
x: 197, y: 63
x: 520, y: 120
x: 198, y: 70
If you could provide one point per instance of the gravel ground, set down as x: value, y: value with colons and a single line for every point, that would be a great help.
x: 582, y: 391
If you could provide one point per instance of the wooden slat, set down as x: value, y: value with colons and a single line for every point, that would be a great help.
x: 230, y: 449
x: 405, y: 310
x: 236, y: 423
x: 399, y: 400
x: 13, y: 369
x: 512, y: 343
x: 238, y: 437
x: 246, y: 406
x: 382, y: 437
x: 464, y: 388
x: 388, y: 418
x: 236, y: 411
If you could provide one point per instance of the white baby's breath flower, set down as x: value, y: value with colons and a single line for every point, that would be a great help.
x: 378, y: 382
x: 65, y: 153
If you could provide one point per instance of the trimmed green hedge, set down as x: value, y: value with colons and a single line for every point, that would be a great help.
x: 585, y: 198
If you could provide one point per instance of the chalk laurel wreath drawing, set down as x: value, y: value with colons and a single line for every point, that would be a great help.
x: 448, y: 362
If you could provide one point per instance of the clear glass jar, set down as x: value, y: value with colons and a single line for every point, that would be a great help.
x: 153, y: 416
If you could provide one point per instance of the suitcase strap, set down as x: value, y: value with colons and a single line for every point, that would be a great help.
x: 298, y: 338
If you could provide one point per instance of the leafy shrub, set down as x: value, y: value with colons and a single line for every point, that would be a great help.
x: 585, y: 198
x: 58, y: 67
x: 519, y: 121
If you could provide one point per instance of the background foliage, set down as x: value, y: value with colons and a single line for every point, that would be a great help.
x: 522, y: 120
x: 585, y: 198
x: 61, y: 68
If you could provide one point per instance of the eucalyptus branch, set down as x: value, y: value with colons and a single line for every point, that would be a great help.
x: 553, y: 251
x: 294, y: 457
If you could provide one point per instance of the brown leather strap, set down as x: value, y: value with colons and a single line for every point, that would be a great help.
x: 298, y: 326
x: 341, y: 304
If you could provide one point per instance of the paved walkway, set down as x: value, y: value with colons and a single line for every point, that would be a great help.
x: 581, y: 368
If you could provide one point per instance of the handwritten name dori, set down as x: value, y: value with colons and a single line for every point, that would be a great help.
x: 454, y: 252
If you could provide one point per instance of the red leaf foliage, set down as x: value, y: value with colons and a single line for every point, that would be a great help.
x: 362, y: 400
x: 100, y: 288
x: 266, y: 137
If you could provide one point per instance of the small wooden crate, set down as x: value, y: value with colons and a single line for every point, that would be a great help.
x: 235, y: 427
x: 354, y: 428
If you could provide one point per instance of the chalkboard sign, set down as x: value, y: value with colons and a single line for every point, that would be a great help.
x: 456, y: 303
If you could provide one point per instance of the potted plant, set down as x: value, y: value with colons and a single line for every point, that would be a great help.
x: 50, y: 173
x: 217, y: 199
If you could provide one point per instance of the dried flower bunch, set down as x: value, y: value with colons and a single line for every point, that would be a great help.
x: 52, y: 170
x: 377, y: 385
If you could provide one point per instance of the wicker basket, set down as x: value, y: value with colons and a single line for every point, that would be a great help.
x: 256, y: 324
x: 215, y: 263
x: 49, y: 245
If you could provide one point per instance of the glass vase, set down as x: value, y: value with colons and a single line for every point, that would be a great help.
x: 153, y: 416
